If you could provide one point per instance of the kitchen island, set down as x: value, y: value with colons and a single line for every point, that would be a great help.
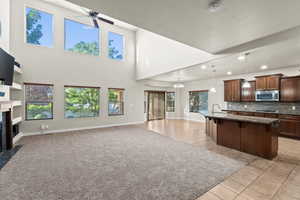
x: 253, y: 135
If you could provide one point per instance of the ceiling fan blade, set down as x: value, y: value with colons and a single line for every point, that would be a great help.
x: 106, y: 20
x: 95, y: 23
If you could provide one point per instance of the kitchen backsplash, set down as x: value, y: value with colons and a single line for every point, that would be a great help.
x: 272, y: 106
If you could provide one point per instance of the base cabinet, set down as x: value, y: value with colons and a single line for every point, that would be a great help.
x: 253, y: 138
x: 232, y: 138
x: 289, y: 124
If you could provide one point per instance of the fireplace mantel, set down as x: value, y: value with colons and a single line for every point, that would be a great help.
x: 5, y: 106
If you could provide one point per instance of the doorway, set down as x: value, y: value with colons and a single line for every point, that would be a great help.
x: 156, y: 105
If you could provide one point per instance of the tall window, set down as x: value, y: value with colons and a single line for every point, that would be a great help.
x: 38, y: 101
x: 39, y: 27
x: 170, y: 101
x: 81, y: 38
x: 115, y: 101
x: 115, y: 46
x: 198, y: 101
x: 81, y: 101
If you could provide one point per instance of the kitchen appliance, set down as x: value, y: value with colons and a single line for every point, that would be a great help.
x: 270, y: 95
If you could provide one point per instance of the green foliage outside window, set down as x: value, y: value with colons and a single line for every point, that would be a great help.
x: 39, y: 102
x: 38, y: 27
x: 86, y: 48
x: 38, y: 111
x: 115, y: 102
x: 81, y: 102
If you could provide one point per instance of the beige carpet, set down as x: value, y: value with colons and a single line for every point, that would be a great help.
x: 124, y: 163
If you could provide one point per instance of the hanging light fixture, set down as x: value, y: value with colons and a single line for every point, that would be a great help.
x: 179, y: 84
x: 213, y: 89
x: 246, y: 84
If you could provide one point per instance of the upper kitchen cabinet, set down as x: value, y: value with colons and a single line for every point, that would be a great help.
x: 269, y: 82
x: 232, y: 90
x: 290, y: 89
x: 248, y: 94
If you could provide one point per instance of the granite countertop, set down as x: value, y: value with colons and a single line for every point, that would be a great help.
x: 287, y: 112
x: 251, y: 119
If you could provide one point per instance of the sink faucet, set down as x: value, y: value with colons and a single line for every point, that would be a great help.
x: 213, y: 107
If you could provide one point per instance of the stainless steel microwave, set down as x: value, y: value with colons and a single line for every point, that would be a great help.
x: 271, y: 95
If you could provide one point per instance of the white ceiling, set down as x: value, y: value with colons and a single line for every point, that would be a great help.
x: 190, y: 22
x: 279, y: 55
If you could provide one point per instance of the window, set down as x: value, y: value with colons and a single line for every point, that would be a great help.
x: 115, y: 101
x: 38, y: 101
x: 81, y: 38
x: 170, y: 101
x: 115, y: 46
x: 39, y: 28
x: 198, y: 101
x: 81, y: 101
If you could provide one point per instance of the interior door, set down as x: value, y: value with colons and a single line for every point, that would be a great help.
x: 156, y: 105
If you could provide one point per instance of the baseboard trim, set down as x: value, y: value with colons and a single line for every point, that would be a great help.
x: 83, y: 128
x: 174, y: 118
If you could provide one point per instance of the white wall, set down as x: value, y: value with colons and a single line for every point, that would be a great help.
x: 59, y: 67
x: 157, y: 54
x: 5, y: 25
x: 218, y: 97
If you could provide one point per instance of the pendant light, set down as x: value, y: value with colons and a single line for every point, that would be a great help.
x: 246, y: 84
x: 179, y: 84
x: 213, y: 89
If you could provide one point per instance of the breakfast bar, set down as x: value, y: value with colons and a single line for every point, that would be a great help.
x: 253, y: 135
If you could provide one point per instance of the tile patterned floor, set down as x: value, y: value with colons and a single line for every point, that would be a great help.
x: 260, y: 180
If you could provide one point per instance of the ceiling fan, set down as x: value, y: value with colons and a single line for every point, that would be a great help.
x: 95, y: 17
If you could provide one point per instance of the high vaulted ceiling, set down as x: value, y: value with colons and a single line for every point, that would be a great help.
x: 191, y: 22
x: 276, y: 56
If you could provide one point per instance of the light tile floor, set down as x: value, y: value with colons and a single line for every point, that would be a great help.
x: 260, y: 180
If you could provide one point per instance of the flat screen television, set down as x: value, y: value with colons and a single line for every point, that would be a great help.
x: 6, y: 67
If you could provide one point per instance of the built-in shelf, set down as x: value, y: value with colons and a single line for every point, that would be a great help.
x: 18, y: 69
x: 16, y: 86
x: 16, y: 103
x: 16, y: 120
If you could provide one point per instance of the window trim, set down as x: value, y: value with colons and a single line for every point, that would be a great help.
x: 123, y: 102
x: 52, y: 28
x: 192, y: 92
x: 99, y: 38
x: 77, y: 86
x: 51, y: 102
x: 167, y: 101
x: 124, y: 55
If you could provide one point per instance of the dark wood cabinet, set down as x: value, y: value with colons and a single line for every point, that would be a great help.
x: 290, y: 125
x: 254, y: 138
x: 290, y: 89
x: 232, y: 138
x: 270, y: 82
x: 232, y: 90
x: 248, y: 94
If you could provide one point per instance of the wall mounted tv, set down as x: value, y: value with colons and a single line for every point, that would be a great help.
x: 6, y: 67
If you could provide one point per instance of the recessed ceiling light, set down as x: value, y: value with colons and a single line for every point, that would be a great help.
x: 203, y: 67
x: 264, y: 67
x: 229, y: 73
x: 241, y: 57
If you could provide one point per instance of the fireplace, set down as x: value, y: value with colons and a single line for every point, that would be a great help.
x: 6, y: 139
